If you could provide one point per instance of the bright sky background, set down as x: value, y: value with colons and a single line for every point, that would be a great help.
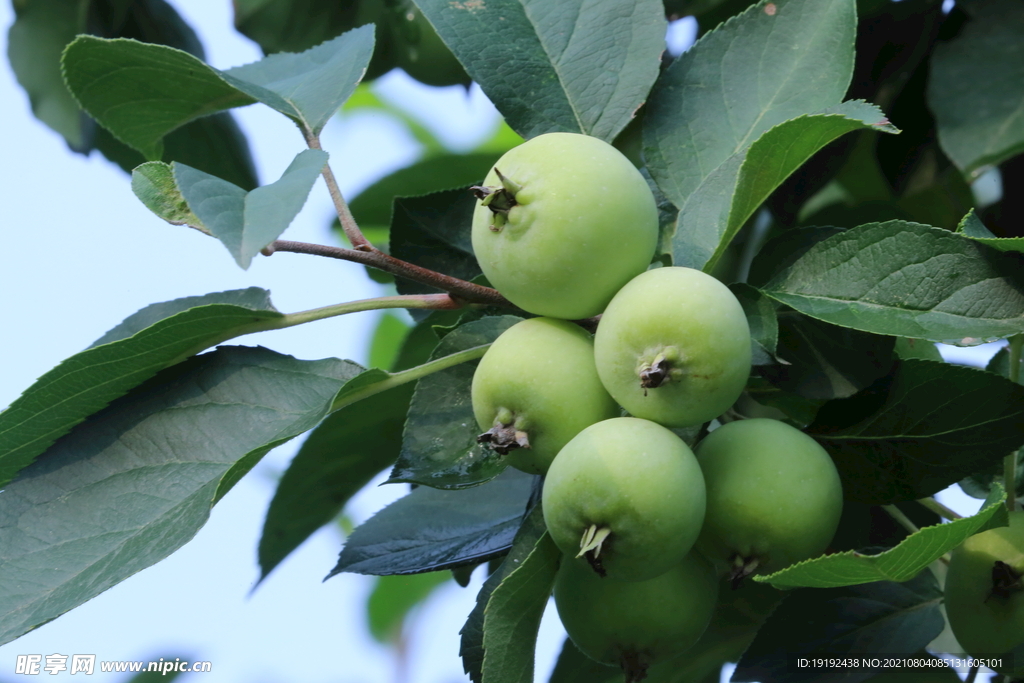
x: 81, y: 253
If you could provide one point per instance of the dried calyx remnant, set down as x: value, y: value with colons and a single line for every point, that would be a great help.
x: 507, y: 434
x: 654, y: 369
x: 634, y: 665
x: 499, y: 200
x: 742, y: 567
x: 591, y: 542
x: 1005, y: 581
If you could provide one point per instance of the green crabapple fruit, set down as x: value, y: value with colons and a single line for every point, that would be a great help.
x: 985, y: 594
x: 535, y: 389
x: 673, y: 346
x: 626, y: 496
x: 635, y: 624
x: 773, y: 497
x: 564, y: 220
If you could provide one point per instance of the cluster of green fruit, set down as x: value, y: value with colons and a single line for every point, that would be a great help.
x: 566, y: 228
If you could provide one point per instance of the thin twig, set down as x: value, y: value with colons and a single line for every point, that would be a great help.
x: 901, y: 518
x: 467, y: 291
x: 1010, y: 461
x: 972, y: 674
x: 348, y: 221
x: 938, y: 508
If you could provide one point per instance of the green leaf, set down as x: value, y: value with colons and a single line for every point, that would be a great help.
x: 728, y: 197
x: 248, y: 221
x: 513, y: 613
x: 916, y: 348
x: 434, y: 232
x: 820, y: 361
x: 976, y: 88
x: 135, y: 482
x: 372, y: 206
x: 154, y: 338
x: 154, y: 184
x: 439, y: 447
x: 971, y: 226
x: 752, y: 73
x: 574, y: 66
x: 338, y: 458
x: 141, y: 92
x: 901, y: 563
x: 393, y: 597
x: 308, y: 87
x: 294, y: 25
x: 764, y: 325
x: 388, y: 338
x: 870, y: 620
x: 925, y: 426
x: 34, y: 44
x: 530, y: 537
x: 430, y: 529
x: 908, y: 280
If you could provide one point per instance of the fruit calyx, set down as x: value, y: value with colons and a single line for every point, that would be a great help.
x: 499, y: 200
x: 742, y: 567
x: 634, y: 665
x: 662, y: 368
x: 1005, y: 581
x: 590, y: 547
x: 506, y: 435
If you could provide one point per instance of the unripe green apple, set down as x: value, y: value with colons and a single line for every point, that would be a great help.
x: 985, y: 594
x: 625, y: 496
x: 535, y: 389
x: 564, y: 220
x: 673, y: 346
x: 774, y: 497
x: 634, y: 624
x: 421, y: 52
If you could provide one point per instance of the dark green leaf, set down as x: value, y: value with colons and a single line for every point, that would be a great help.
x: 135, y: 482
x: 819, y: 361
x: 744, y: 78
x: 154, y: 338
x: 393, y: 597
x: 513, y: 614
x: 573, y: 666
x: 714, y: 213
x: 784, y: 249
x: 434, y: 232
x: 916, y: 348
x: 294, y: 25
x: 908, y: 280
x: 372, y: 206
x: 764, y: 326
x: 874, y: 619
x: 388, y: 339
x: 971, y: 226
x: 337, y: 459
x: 572, y: 66
x: 245, y: 222
x: 976, y: 89
x: 801, y: 411
x: 925, y: 426
x: 901, y: 563
x: 140, y: 92
x: 529, y: 535
x: 430, y: 529
x: 439, y: 447
x: 34, y: 45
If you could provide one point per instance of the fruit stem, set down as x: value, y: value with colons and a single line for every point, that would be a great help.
x: 1010, y: 461
x: 348, y: 221
x: 938, y: 508
x: 901, y: 518
x: 466, y: 291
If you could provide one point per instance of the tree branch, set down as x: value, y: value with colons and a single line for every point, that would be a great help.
x: 466, y: 291
x: 348, y: 222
